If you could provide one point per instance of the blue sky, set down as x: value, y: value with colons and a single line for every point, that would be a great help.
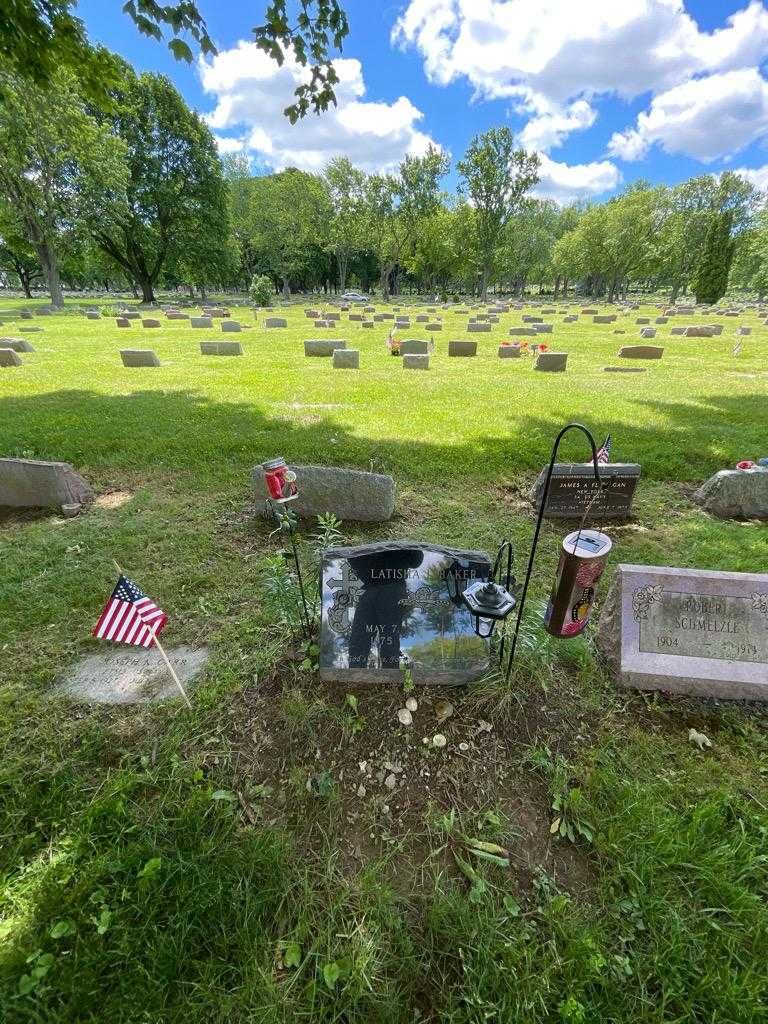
x: 607, y: 91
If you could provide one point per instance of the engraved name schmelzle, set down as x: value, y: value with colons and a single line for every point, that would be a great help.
x: 643, y: 598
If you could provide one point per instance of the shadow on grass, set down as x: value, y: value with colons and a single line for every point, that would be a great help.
x: 187, y: 430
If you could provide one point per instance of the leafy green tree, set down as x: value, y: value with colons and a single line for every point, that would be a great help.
x: 346, y: 230
x: 395, y: 205
x: 288, y: 227
x: 261, y: 290
x: 58, y: 167
x: 686, y: 212
x: 240, y: 189
x: 175, y: 202
x: 40, y: 37
x: 710, y: 279
x: 495, y: 176
x: 17, y: 256
x: 526, y: 243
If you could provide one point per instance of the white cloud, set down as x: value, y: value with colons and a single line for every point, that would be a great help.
x: 566, y: 183
x: 758, y: 176
x: 705, y: 118
x: 226, y: 144
x: 548, y: 130
x: 553, y: 54
x: 251, y: 93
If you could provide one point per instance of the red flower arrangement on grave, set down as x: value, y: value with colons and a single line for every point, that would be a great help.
x: 543, y: 347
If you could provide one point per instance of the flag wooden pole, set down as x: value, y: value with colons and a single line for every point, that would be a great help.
x: 164, y: 656
x: 170, y: 668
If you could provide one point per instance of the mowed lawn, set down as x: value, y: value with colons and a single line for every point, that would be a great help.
x: 136, y: 887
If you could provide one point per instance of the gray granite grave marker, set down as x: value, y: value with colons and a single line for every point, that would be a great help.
x: 691, y: 631
x: 573, y: 486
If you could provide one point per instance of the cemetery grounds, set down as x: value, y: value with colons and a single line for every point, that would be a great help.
x: 223, y: 864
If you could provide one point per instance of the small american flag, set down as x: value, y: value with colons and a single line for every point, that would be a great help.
x: 737, y: 349
x: 130, y: 617
x: 604, y: 453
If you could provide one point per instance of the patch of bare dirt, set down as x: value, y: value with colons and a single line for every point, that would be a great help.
x: 302, y: 746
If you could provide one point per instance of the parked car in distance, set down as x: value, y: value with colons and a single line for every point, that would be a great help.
x: 354, y: 297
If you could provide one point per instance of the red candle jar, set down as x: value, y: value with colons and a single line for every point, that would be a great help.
x: 582, y: 562
x: 280, y: 481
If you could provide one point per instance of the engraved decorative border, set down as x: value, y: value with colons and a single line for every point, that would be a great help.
x: 643, y: 598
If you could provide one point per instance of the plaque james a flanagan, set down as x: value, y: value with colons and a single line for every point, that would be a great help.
x: 688, y: 631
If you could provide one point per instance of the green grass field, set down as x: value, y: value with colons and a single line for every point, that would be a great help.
x: 216, y: 865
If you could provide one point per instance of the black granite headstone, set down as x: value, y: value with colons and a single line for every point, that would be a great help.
x: 396, y: 605
x: 573, y: 486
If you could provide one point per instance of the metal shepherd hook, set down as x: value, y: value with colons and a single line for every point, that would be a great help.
x: 542, y: 507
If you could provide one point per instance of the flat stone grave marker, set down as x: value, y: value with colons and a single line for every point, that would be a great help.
x: 692, y: 631
x: 349, y: 493
x: 32, y: 483
x: 573, y: 486
x: 123, y: 321
x: 9, y: 357
x: 608, y: 318
x: 150, y: 322
x: 433, y: 327
x: 200, y: 321
x: 412, y: 347
x: 522, y: 332
x: 624, y: 369
x: 736, y: 494
x: 174, y: 314
x: 138, y: 357
x: 478, y: 328
x: 346, y: 359
x: 221, y: 348
x: 277, y: 321
x: 92, y: 315
x: 509, y: 351
x: 393, y: 605
x: 131, y: 676
x: 29, y: 330
x: 462, y: 348
x: 17, y: 344
x: 551, y: 362
x: 698, y: 332
x: 322, y: 346
x: 641, y: 352
x: 648, y: 332
x: 416, y: 361
x: 230, y: 326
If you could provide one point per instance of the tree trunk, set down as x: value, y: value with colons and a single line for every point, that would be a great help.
x: 557, y: 288
x: 484, y: 284
x: 342, y: 261
x: 674, y: 293
x: 134, y: 289
x: 286, y: 288
x: 25, y: 278
x: 147, y: 291
x: 50, y: 266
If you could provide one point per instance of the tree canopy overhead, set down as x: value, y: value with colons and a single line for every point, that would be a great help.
x: 39, y: 37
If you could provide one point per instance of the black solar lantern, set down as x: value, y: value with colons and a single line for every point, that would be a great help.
x: 489, y: 603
